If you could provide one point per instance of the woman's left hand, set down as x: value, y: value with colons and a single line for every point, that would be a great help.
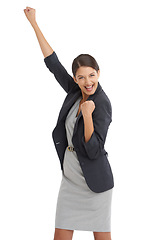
x: 87, y: 107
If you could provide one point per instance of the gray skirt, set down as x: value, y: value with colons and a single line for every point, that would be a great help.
x: 78, y: 207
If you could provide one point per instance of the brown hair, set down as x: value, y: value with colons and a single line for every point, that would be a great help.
x: 84, y: 60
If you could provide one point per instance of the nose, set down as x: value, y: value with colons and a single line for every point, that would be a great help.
x: 87, y: 81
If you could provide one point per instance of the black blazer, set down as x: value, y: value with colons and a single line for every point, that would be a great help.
x: 92, y: 156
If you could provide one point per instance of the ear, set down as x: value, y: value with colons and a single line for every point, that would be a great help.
x: 98, y: 73
x: 75, y: 79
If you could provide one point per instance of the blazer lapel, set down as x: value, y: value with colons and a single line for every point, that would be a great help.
x: 68, y: 102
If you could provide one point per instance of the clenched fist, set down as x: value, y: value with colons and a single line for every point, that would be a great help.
x: 87, y: 107
x: 30, y: 14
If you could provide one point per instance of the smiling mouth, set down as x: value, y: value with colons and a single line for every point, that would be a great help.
x: 89, y: 88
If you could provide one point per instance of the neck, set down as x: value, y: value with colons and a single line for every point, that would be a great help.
x: 84, y: 97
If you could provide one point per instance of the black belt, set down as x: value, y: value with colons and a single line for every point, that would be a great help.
x: 70, y: 148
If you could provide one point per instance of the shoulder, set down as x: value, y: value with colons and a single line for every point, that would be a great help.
x: 102, y: 101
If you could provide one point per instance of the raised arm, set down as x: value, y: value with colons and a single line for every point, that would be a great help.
x: 44, y: 45
x: 54, y: 65
x: 50, y: 58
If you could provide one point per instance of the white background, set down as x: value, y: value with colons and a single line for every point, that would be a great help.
x: 124, y: 37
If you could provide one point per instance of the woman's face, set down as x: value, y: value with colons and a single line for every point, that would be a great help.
x: 87, y: 80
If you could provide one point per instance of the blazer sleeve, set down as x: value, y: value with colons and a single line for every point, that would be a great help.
x: 102, y: 117
x: 54, y: 65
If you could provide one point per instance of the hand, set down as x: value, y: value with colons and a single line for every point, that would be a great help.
x: 87, y: 107
x: 30, y: 14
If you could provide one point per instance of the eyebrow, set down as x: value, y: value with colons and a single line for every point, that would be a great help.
x: 82, y: 75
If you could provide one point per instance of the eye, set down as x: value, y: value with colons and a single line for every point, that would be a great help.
x: 80, y: 77
x: 92, y: 75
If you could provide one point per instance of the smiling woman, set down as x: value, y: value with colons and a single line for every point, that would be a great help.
x: 87, y: 80
x: 85, y: 194
x: 86, y: 73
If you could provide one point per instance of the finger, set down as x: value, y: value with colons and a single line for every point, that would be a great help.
x: 30, y: 8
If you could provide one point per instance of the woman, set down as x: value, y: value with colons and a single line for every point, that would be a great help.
x: 85, y: 194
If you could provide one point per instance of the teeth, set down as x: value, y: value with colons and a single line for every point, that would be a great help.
x: 89, y: 86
